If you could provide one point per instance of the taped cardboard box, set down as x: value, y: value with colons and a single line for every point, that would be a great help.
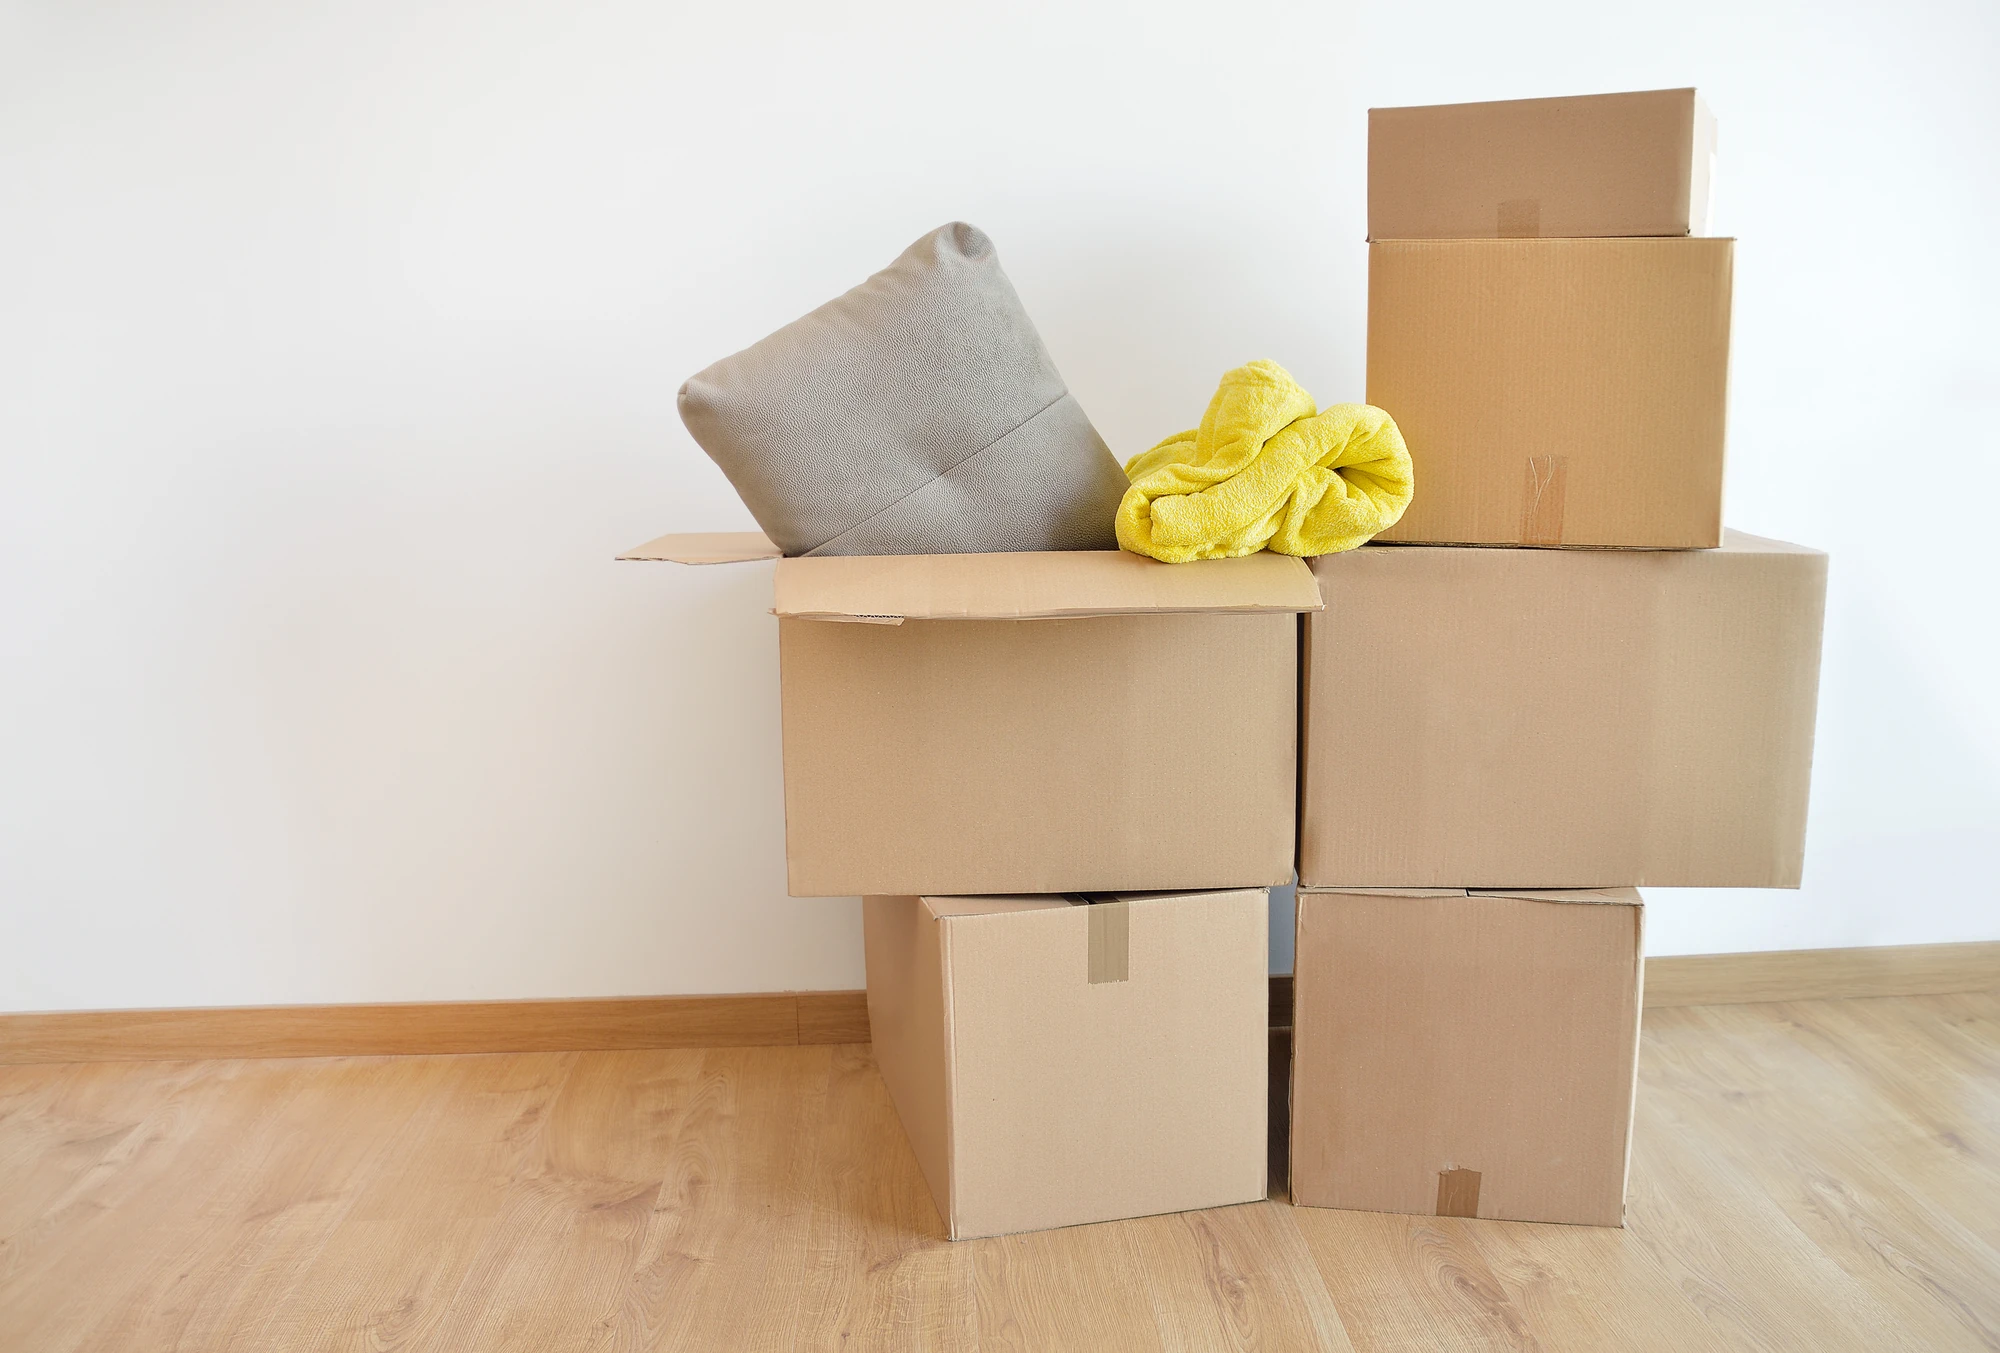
x: 1468, y: 1054
x: 1032, y: 723
x: 1600, y: 164
x: 1555, y: 392
x: 1560, y: 718
x: 1061, y: 1060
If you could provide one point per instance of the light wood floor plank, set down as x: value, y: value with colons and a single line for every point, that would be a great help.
x: 880, y: 1273
x: 1555, y: 1277
x: 1235, y: 1277
x: 1746, y: 1266
x: 289, y: 1184
x: 166, y: 1170
x: 728, y: 1234
x: 391, y: 1272
x: 1824, y: 1163
x: 1820, y: 1174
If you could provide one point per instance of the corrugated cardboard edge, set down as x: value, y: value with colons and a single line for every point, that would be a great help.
x: 1638, y: 1030
x: 888, y: 589
x: 705, y: 547
x: 1701, y: 169
x: 953, y: 1225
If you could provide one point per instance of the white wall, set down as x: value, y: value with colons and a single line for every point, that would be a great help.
x: 340, y: 341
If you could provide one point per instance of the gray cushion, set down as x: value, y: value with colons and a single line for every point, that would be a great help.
x: 917, y: 414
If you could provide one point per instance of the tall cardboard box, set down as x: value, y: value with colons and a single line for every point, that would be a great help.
x: 1466, y: 1054
x: 1032, y: 723
x: 1555, y: 391
x: 1060, y: 1060
x: 1600, y: 164
x: 1560, y: 718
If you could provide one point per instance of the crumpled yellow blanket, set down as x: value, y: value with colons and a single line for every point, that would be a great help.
x: 1266, y: 470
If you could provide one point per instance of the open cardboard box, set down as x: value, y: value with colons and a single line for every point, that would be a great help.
x: 1032, y: 723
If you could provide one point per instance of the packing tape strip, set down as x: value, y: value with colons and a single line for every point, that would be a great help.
x: 1109, y: 925
x: 1519, y: 218
x: 1110, y: 942
x: 1458, y: 1193
x: 1542, y: 500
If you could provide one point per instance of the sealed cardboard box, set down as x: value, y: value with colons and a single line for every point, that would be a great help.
x: 1601, y: 164
x: 1560, y: 718
x: 1555, y: 392
x: 1061, y: 1060
x: 1466, y: 1054
x: 1032, y: 723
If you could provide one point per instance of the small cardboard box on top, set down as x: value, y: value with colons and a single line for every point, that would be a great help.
x: 1596, y: 165
x: 1558, y: 391
x: 1061, y: 1060
x: 1560, y: 718
x: 1034, y: 722
x: 1466, y: 1054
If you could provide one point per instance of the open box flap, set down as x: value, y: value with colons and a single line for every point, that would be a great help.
x: 887, y: 589
x: 706, y: 547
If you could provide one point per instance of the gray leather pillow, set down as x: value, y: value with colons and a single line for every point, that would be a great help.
x: 917, y: 414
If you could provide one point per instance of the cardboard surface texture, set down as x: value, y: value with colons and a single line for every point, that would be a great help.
x: 1032, y: 723
x: 1555, y: 392
x: 1466, y: 1054
x: 892, y: 588
x: 1057, y: 1061
x: 1560, y: 718
x: 1035, y: 755
x: 1596, y: 165
x: 706, y: 547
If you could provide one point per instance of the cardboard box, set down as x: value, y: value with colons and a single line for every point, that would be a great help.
x: 1555, y: 392
x: 1065, y: 1060
x: 1602, y: 164
x: 1466, y: 1054
x: 1032, y: 723
x: 1560, y: 718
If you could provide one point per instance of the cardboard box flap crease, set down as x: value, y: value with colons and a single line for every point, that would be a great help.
x: 888, y: 589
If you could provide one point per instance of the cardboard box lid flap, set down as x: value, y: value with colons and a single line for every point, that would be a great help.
x: 706, y: 547
x: 1742, y: 542
x: 1036, y: 586
x: 1617, y: 897
x: 1383, y: 892
x: 946, y: 907
x: 1560, y: 100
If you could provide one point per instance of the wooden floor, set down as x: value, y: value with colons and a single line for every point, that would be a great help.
x: 1817, y: 1175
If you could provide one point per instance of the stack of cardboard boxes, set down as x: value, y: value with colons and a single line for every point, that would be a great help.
x: 1064, y: 783
x: 1500, y: 744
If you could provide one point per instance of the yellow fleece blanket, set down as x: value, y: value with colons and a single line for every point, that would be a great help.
x: 1266, y: 470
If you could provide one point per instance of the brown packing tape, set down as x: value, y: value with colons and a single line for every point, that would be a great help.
x: 1458, y: 1193
x: 1519, y: 218
x: 1109, y: 925
x: 1542, y: 500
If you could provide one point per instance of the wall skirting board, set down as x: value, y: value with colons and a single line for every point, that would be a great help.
x: 796, y: 1017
